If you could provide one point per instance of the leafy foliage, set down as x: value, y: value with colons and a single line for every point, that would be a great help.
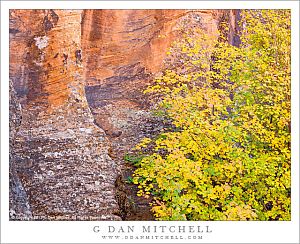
x: 229, y: 157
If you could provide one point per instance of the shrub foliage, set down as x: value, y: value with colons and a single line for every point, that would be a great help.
x: 228, y: 154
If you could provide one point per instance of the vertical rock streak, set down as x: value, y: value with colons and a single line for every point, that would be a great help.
x: 59, y: 60
x: 62, y: 157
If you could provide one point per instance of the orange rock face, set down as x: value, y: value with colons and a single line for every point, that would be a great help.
x: 71, y: 68
x: 115, y: 39
x: 47, y: 47
x: 61, y: 155
x: 124, y: 50
x: 47, y: 44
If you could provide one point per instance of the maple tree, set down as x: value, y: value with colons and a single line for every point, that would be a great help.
x: 228, y: 157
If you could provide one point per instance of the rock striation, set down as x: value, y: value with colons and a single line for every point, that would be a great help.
x: 19, y: 207
x: 79, y: 76
x: 61, y: 155
x: 125, y: 49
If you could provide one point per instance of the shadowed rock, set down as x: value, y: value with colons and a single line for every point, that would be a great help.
x: 59, y: 60
x: 61, y: 155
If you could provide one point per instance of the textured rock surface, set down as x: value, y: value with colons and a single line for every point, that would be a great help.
x: 124, y: 50
x: 47, y: 44
x: 18, y: 201
x: 125, y: 42
x: 61, y: 155
x: 73, y: 70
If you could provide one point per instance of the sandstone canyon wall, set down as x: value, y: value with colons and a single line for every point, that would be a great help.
x: 62, y: 157
x: 125, y: 49
x: 79, y: 76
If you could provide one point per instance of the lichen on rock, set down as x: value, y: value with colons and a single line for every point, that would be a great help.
x: 41, y: 41
x: 79, y: 79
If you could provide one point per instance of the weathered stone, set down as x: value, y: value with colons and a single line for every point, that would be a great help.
x: 121, y: 60
x: 19, y: 207
x: 60, y: 150
x: 61, y: 160
x: 125, y: 49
